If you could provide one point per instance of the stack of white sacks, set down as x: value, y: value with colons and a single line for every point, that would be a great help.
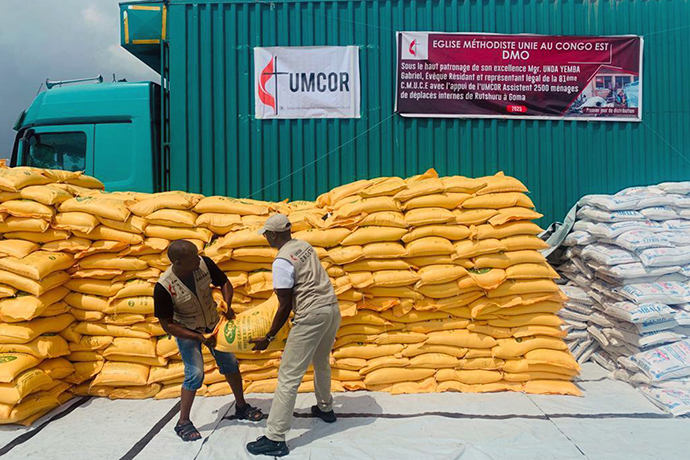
x: 628, y: 268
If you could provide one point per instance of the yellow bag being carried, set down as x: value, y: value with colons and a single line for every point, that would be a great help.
x: 234, y: 336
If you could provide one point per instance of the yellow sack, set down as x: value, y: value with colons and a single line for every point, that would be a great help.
x: 166, y: 346
x: 45, y: 194
x: 80, y: 221
x: 102, y: 206
x: 413, y: 316
x: 531, y: 271
x: 439, y: 274
x: 146, y: 392
x: 159, y: 261
x: 450, y: 232
x: 419, y: 262
x: 356, y: 206
x: 224, y: 205
x: 265, y: 255
x: 433, y: 361
x: 86, y: 315
x: 104, y: 288
x: 110, y: 234
x: 531, y: 319
x: 15, y: 179
x: 134, y: 288
x: 389, y: 186
x: 388, y: 250
x: 469, y: 377
x: 508, y: 259
x: 350, y: 364
x: 45, y: 346
x: 133, y: 224
x: 37, y: 265
x: 57, y: 368
x: 242, y: 239
x: 538, y: 308
x: 174, y: 370
x: 13, y: 364
x: 519, y: 287
x: 384, y: 219
x: 363, y: 317
x: 47, y: 236
x: 125, y: 319
x: 524, y: 365
x: 420, y: 186
x: 88, y: 328
x: 159, y: 231
x: 534, y: 375
x: 84, y: 371
x: 499, y: 200
x: 346, y: 255
x: 501, y: 183
x: 394, y: 278
x: 373, y: 265
x: 367, y: 351
x: 82, y: 180
x: 17, y: 248
x: 429, y: 246
x: 482, y: 232
x: 103, y: 246
x: 422, y: 348
x: 495, y: 332
x: 72, y: 245
x: 373, y: 234
x: 488, y: 278
x: 441, y: 200
x: 440, y: 291
x: 467, y: 249
x: 27, y: 331
x: 110, y: 262
x: 167, y: 200
x: 234, y: 336
x: 425, y: 327
x: 399, y: 337
x: 473, y: 216
x: 40, y: 402
x: 151, y: 274
x: 322, y: 238
x: 23, y: 225
x: 516, y: 347
x: 506, y: 215
x: 376, y: 304
x: 400, y: 291
x: 428, y: 216
x: 559, y: 358
x: 403, y: 388
x: 87, y: 302
x: 24, y: 307
x: 462, y: 184
x: 383, y: 362
x: 130, y: 305
x: 480, y: 363
x: 144, y: 348
x: 91, y: 343
x: 221, y: 224
x: 551, y: 387
x: 122, y: 374
x: 84, y: 356
x: 462, y: 338
x: 478, y: 353
x: 529, y: 331
x: 173, y: 218
x: 394, y: 375
x: 524, y: 242
x: 27, y: 208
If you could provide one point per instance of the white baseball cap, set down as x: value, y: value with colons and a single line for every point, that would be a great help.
x: 276, y: 223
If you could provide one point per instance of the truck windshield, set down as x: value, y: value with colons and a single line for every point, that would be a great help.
x: 66, y: 151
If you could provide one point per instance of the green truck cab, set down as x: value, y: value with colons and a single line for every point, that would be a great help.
x: 107, y: 130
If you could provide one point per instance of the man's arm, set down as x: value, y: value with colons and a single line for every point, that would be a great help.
x: 282, y: 315
x: 228, y: 292
x: 179, y: 331
x: 220, y: 280
x: 163, y: 308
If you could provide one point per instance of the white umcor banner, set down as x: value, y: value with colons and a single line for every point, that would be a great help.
x: 306, y: 82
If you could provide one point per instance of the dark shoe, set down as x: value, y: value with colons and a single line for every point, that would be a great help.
x: 328, y: 417
x: 187, y: 431
x: 264, y: 446
x: 248, y: 412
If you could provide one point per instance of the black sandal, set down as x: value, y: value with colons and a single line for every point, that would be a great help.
x: 247, y: 412
x: 187, y: 431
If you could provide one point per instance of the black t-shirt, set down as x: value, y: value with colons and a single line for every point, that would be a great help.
x: 162, y: 301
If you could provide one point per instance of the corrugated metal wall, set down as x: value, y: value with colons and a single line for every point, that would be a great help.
x: 219, y: 148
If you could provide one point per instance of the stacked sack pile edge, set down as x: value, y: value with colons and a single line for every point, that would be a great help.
x: 440, y: 281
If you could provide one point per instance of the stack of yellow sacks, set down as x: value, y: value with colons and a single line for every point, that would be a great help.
x: 35, y: 372
x: 439, y: 280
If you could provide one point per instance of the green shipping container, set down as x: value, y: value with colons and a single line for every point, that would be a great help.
x: 218, y: 147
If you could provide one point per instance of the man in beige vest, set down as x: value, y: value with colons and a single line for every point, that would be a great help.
x: 302, y: 286
x: 184, y: 305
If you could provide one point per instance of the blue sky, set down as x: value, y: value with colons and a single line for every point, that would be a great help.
x: 59, y: 40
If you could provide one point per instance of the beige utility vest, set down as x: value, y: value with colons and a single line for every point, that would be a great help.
x: 313, y: 288
x: 196, y: 312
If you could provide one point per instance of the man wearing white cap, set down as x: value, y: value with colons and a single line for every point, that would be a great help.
x: 302, y: 286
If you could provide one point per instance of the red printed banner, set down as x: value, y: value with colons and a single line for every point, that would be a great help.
x: 519, y: 76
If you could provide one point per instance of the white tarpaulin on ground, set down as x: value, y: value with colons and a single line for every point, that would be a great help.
x: 306, y: 82
x: 613, y: 421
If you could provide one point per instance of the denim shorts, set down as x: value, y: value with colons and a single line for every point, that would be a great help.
x: 190, y: 351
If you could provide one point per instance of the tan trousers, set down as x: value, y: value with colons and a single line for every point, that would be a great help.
x: 310, y: 341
